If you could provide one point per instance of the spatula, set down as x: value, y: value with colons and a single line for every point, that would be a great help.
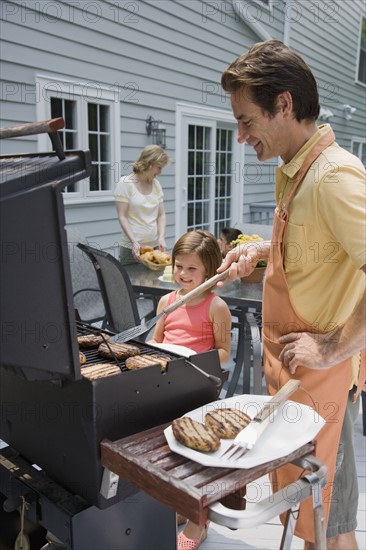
x: 134, y: 332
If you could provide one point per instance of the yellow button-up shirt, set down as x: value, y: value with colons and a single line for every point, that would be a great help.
x: 325, y: 244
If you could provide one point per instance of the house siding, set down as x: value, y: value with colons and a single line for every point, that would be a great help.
x: 156, y: 54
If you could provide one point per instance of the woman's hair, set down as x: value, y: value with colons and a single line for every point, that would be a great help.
x: 150, y: 155
x: 268, y: 69
x: 230, y: 233
x: 202, y: 243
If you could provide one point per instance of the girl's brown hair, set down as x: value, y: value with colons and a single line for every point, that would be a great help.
x: 204, y: 244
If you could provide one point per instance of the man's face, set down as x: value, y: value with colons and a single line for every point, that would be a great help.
x: 268, y: 136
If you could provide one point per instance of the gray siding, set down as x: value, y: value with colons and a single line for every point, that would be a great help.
x: 158, y: 53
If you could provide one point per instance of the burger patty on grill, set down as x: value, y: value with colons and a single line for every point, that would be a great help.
x: 100, y: 370
x: 91, y: 340
x: 143, y: 361
x: 121, y: 351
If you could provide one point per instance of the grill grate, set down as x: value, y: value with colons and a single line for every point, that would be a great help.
x: 93, y: 357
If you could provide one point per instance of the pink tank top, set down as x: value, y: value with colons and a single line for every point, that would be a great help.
x: 190, y: 326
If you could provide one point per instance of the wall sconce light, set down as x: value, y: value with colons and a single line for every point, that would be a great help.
x: 157, y: 130
x: 325, y: 114
x: 348, y: 111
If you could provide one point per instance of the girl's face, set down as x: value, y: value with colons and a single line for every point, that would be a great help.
x: 189, y: 271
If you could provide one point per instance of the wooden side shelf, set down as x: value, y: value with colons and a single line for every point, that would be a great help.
x: 145, y: 460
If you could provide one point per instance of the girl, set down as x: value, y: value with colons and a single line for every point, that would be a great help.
x: 202, y: 324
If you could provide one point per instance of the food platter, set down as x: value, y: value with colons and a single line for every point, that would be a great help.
x: 293, y: 426
x: 156, y: 259
x: 153, y: 265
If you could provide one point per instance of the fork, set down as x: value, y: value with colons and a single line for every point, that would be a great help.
x: 246, y: 439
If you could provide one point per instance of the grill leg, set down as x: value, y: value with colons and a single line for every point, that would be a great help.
x: 319, y: 519
x: 289, y: 528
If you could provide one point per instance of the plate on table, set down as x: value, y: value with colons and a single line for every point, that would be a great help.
x: 293, y: 426
x: 174, y: 348
x: 161, y: 278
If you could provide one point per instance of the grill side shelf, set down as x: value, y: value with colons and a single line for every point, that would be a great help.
x: 145, y: 460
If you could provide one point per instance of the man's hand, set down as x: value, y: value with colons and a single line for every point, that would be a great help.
x: 304, y: 349
x: 242, y: 260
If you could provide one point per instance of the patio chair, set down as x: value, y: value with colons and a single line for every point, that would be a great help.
x: 249, y: 352
x: 122, y: 309
x: 87, y: 296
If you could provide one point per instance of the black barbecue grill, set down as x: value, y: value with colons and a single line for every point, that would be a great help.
x: 51, y: 415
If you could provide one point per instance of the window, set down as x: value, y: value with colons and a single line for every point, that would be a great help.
x: 201, y: 192
x: 359, y: 149
x: 91, y: 115
x: 361, y: 73
x: 198, y: 181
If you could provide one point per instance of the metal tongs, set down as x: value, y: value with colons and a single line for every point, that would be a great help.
x: 132, y: 333
x: 246, y: 439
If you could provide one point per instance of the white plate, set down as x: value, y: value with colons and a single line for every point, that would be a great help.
x: 161, y: 278
x: 174, y: 348
x: 293, y: 426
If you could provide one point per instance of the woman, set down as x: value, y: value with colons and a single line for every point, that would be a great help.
x: 140, y: 207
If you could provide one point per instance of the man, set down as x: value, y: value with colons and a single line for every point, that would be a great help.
x: 314, y: 291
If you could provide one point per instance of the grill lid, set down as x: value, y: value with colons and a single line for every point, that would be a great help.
x: 38, y: 332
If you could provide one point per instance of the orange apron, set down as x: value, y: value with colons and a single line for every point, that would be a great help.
x: 327, y: 389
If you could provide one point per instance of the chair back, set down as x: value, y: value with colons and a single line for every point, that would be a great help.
x: 117, y: 292
x: 87, y: 296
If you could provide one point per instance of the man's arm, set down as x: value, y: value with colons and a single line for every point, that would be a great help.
x: 161, y: 224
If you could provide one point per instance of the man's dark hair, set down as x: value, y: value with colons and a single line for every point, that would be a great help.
x: 268, y: 69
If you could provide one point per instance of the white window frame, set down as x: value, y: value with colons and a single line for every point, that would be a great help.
x: 196, y: 114
x: 363, y: 17
x: 360, y: 143
x: 81, y: 92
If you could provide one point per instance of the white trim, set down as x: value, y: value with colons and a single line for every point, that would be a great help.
x: 359, y: 141
x: 359, y: 53
x: 240, y: 8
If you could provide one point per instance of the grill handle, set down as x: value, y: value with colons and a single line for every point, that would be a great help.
x: 214, y: 379
x: 49, y: 127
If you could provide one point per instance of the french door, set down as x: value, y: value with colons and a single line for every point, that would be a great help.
x: 207, y: 186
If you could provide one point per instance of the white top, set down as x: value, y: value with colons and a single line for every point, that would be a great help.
x: 142, y: 211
